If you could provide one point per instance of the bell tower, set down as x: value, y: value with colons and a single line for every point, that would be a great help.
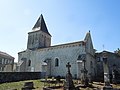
x: 39, y: 37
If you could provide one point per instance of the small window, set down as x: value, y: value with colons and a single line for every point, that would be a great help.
x: 29, y: 63
x: 2, y: 60
x: 5, y: 61
x: 56, y: 62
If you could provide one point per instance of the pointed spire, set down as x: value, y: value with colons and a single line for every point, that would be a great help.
x: 87, y: 35
x: 40, y: 25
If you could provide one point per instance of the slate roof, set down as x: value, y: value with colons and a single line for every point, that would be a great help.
x: 40, y: 25
x: 78, y: 42
x: 5, y: 55
x: 107, y: 53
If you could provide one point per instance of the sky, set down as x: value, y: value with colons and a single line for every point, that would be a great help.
x: 66, y: 20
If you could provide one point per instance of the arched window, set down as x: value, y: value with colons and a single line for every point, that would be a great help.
x: 29, y: 62
x: 56, y: 62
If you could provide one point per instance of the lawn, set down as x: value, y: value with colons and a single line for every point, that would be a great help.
x: 18, y: 85
x: 38, y: 85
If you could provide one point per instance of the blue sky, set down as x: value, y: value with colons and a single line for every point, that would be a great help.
x: 67, y: 21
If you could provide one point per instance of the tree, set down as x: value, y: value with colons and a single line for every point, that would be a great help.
x: 118, y: 51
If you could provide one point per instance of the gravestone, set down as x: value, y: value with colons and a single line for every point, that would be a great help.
x: 68, y: 85
x: 114, y: 74
x: 28, y: 86
x: 84, y: 80
x: 107, y: 85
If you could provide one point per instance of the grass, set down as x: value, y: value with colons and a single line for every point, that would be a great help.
x: 20, y: 84
x: 116, y: 86
x: 38, y: 85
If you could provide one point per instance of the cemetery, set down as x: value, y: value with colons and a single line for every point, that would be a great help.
x: 39, y: 85
x: 67, y: 83
x: 37, y: 81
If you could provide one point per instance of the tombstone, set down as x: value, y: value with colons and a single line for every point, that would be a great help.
x: 84, y: 79
x: 107, y: 85
x: 68, y: 84
x: 58, y: 79
x: 28, y: 86
x: 113, y: 77
x: 114, y: 74
x: 90, y: 78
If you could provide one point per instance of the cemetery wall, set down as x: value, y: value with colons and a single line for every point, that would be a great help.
x: 18, y: 76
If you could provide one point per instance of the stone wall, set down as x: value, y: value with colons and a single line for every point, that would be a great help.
x: 64, y: 53
x: 19, y: 76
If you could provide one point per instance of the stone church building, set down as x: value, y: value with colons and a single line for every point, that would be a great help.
x: 40, y: 56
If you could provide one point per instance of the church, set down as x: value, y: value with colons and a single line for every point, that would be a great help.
x: 41, y: 56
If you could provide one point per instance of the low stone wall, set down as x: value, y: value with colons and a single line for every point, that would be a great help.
x: 18, y: 76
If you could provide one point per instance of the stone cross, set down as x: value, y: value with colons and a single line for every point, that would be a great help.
x: 68, y: 66
x: 68, y: 84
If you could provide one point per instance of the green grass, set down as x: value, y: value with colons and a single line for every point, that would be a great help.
x: 38, y: 85
x: 20, y: 84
